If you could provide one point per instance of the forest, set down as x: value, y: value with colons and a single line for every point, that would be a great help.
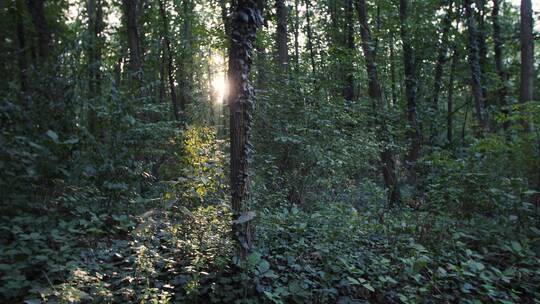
x: 269, y: 151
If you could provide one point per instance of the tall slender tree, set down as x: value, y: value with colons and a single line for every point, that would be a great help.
x: 410, y: 91
x: 170, y: 67
x: 499, y: 54
x: 387, y: 158
x: 474, y: 63
x: 527, y: 52
x: 244, y: 22
x: 37, y: 11
x: 281, y: 36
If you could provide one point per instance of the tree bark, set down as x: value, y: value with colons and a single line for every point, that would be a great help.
x: 134, y: 43
x: 296, y: 36
x: 37, y: 11
x: 387, y: 158
x: 94, y: 10
x: 310, y: 38
x: 474, y: 63
x: 348, y: 88
x: 439, y: 67
x: 281, y: 36
x: 170, y: 67
x: 21, y: 45
x: 244, y: 22
x: 499, y: 65
x: 450, y: 100
x: 410, y: 92
x: 527, y: 53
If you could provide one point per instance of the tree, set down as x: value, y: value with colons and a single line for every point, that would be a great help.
x: 281, y: 36
x: 37, y: 11
x: 527, y: 52
x: 133, y: 38
x: 170, y: 68
x: 94, y: 10
x: 474, y: 63
x: 499, y: 55
x: 410, y: 91
x: 387, y: 159
x: 439, y: 66
x: 244, y: 21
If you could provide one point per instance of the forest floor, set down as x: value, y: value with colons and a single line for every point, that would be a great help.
x: 176, y: 247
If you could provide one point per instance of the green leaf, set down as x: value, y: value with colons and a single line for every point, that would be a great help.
x: 52, y: 135
x: 263, y: 266
x: 368, y: 287
x: 516, y: 246
x: 246, y: 217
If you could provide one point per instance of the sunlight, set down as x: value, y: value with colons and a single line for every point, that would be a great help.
x: 219, y: 86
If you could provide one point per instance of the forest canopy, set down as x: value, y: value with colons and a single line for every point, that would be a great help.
x: 278, y: 151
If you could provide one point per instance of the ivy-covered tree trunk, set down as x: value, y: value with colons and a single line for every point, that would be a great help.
x: 170, y: 68
x: 439, y: 68
x: 499, y: 65
x: 21, y: 44
x: 310, y: 37
x: 281, y: 36
x: 244, y: 22
x: 474, y: 63
x: 387, y: 159
x: 134, y: 44
x: 94, y: 10
x: 37, y: 11
x: 348, y: 87
x: 527, y: 53
x: 410, y: 92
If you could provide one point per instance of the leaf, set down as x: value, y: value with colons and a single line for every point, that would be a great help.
x: 52, y: 135
x: 368, y: 287
x: 263, y: 266
x: 516, y: 246
x: 246, y: 217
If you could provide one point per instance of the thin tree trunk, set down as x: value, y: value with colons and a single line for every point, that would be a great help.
x: 527, y: 54
x: 439, y: 67
x: 310, y: 37
x: 474, y: 63
x: 410, y: 92
x: 499, y: 65
x: 281, y: 36
x: 348, y: 88
x: 95, y: 28
x: 296, y: 35
x: 244, y: 22
x: 21, y: 45
x: 393, y: 87
x: 37, y: 11
x: 170, y: 68
x: 387, y: 158
x: 450, y: 101
x: 135, y: 54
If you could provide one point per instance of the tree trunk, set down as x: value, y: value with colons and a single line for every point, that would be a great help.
x: 387, y: 159
x: 281, y: 36
x: 450, y: 101
x: 499, y: 66
x: 296, y: 36
x: 310, y: 38
x: 170, y: 68
x: 348, y: 88
x: 21, y: 45
x: 94, y: 10
x: 134, y: 44
x: 439, y: 67
x: 410, y: 92
x: 527, y: 54
x: 36, y: 8
x: 474, y: 63
x: 244, y: 22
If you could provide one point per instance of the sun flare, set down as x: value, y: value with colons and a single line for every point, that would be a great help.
x: 219, y: 86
